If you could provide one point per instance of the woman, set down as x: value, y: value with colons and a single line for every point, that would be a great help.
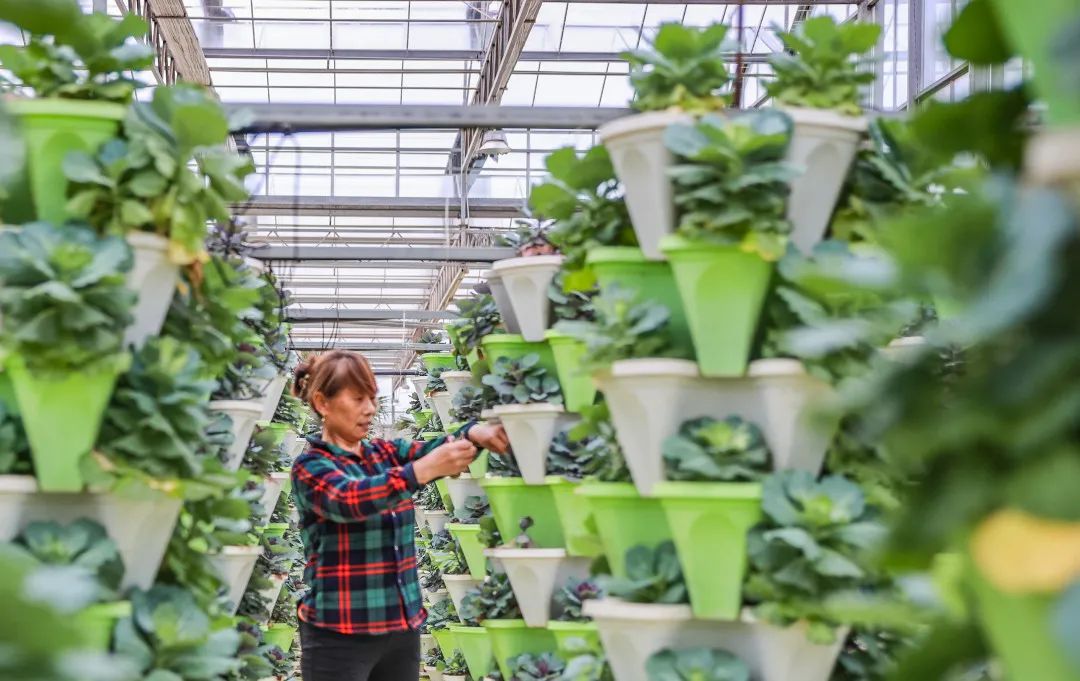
x: 360, y: 619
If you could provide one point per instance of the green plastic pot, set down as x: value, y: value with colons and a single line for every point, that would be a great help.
x: 475, y: 644
x: 280, y: 635
x: 423, y: 416
x: 275, y: 530
x: 577, y: 385
x: 447, y: 641
x: 468, y: 537
x: 478, y: 468
x: 438, y: 360
x: 723, y: 291
x: 570, y: 637
x: 511, y: 638
x: 709, y: 522
x: 573, y: 513
x: 511, y: 346
x: 53, y: 128
x: 624, y: 519
x: 444, y: 493
x: 511, y: 500
x: 62, y: 417
x: 627, y: 268
x: 1022, y: 632
x: 96, y: 623
x: 1035, y: 30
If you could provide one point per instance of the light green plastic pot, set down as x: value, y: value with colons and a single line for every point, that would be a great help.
x: 723, y: 291
x: 475, y: 644
x: 627, y: 268
x: 447, y: 640
x: 62, y: 417
x: 438, y: 360
x: 624, y: 519
x: 1022, y: 633
x: 423, y: 416
x: 275, y: 530
x: 478, y: 468
x: 511, y: 500
x: 573, y: 512
x: 709, y: 522
x: 468, y: 537
x: 444, y: 493
x: 280, y: 635
x: 511, y: 638
x: 52, y: 128
x: 577, y: 385
x: 96, y: 623
x: 499, y: 345
x: 1036, y: 29
x: 571, y: 638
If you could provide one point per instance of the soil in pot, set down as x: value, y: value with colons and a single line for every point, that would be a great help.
x: 526, y: 281
x: 709, y: 522
x: 569, y: 637
x: 577, y: 385
x: 573, y: 512
x: 512, y: 499
x: 511, y: 638
x: 535, y: 575
x: 624, y: 519
x: 530, y: 429
x: 475, y: 644
x: 153, y: 277
x: 627, y: 268
x: 77, y: 400
x: 468, y: 537
x: 723, y: 290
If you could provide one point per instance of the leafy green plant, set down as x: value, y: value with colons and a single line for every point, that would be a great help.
x: 441, y: 615
x: 489, y: 535
x: 493, y: 599
x: 585, y: 200
x: 275, y: 562
x: 475, y: 509
x: 571, y: 597
x: 142, y: 181
x: 429, y: 498
x: 529, y: 237
x: 503, y: 466
x: 653, y: 575
x: 478, y: 316
x: 587, y: 666
x: 14, y: 447
x: 434, y: 658
x: 590, y: 449
x: 696, y: 664
x: 569, y: 303
x: 542, y: 667
x: 446, y: 554
x: 685, y: 68
x: 456, y: 665
x: 291, y: 411
x: 708, y: 449
x: 471, y: 401
x: 170, y: 637
x: 435, y: 383
x: 731, y: 182
x: 157, y: 418
x: 72, y: 55
x: 869, y: 655
x: 63, y: 297
x: 819, y: 67
x: 432, y: 581
x: 82, y: 544
x: 523, y: 381
x: 624, y: 328
x: 266, y: 453
x: 813, y: 542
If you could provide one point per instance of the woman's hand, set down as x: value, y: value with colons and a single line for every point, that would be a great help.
x: 447, y: 460
x: 491, y: 437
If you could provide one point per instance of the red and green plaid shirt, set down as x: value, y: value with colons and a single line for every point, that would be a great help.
x: 357, y: 524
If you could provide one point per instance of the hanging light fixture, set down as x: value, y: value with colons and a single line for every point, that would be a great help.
x: 493, y: 143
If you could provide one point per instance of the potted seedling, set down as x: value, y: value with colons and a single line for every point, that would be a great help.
x: 574, y: 632
x: 696, y: 663
x: 78, y: 67
x: 539, y: 667
x: 465, y: 529
x: 494, y: 606
x: 455, y: 668
x: 512, y: 499
x: 731, y: 184
x: 462, y: 488
x: 571, y: 305
x: 267, y: 459
x: 817, y: 82
x: 451, y: 564
x: 433, y: 663
x: 530, y: 409
x: 437, y: 395
x: 681, y: 74
x: 527, y: 278
x: 65, y: 310
x: 432, y: 509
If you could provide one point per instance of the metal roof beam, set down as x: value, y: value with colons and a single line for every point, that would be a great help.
x: 403, y: 207
x: 311, y: 316
x: 371, y: 347
x: 453, y: 253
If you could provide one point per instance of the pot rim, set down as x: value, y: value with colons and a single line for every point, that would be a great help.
x: 525, y: 262
x: 532, y: 409
x: 826, y: 118
x: 250, y: 406
x: 504, y: 553
x: 641, y: 122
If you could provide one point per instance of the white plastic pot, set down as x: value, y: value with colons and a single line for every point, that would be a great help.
x: 463, y: 487
x: 141, y: 526
x: 502, y: 301
x: 641, y: 160
x: 419, y: 384
x: 455, y: 381
x: 153, y: 277
x: 1053, y: 156
x: 434, y: 674
x: 436, y: 520
x: 272, y: 487
x: 530, y: 429
x: 244, y: 414
x: 632, y: 632
x: 234, y: 565
x: 536, y: 575
x: 436, y: 597
x: 297, y: 446
x: 527, y: 281
x: 271, y: 594
x: 271, y: 392
x: 823, y: 146
x: 458, y: 586
x: 427, y: 643
x: 454, y: 677
x: 442, y: 403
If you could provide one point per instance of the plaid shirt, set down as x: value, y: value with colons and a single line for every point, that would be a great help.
x: 357, y: 524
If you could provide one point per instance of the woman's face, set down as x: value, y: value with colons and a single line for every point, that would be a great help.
x: 347, y: 415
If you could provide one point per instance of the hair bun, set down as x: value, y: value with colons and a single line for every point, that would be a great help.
x: 302, y: 379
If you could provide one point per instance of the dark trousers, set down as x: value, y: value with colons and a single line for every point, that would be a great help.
x: 326, y: 655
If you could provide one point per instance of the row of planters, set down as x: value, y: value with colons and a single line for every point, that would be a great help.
x: 143, y: 358
x: 660, y: 354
